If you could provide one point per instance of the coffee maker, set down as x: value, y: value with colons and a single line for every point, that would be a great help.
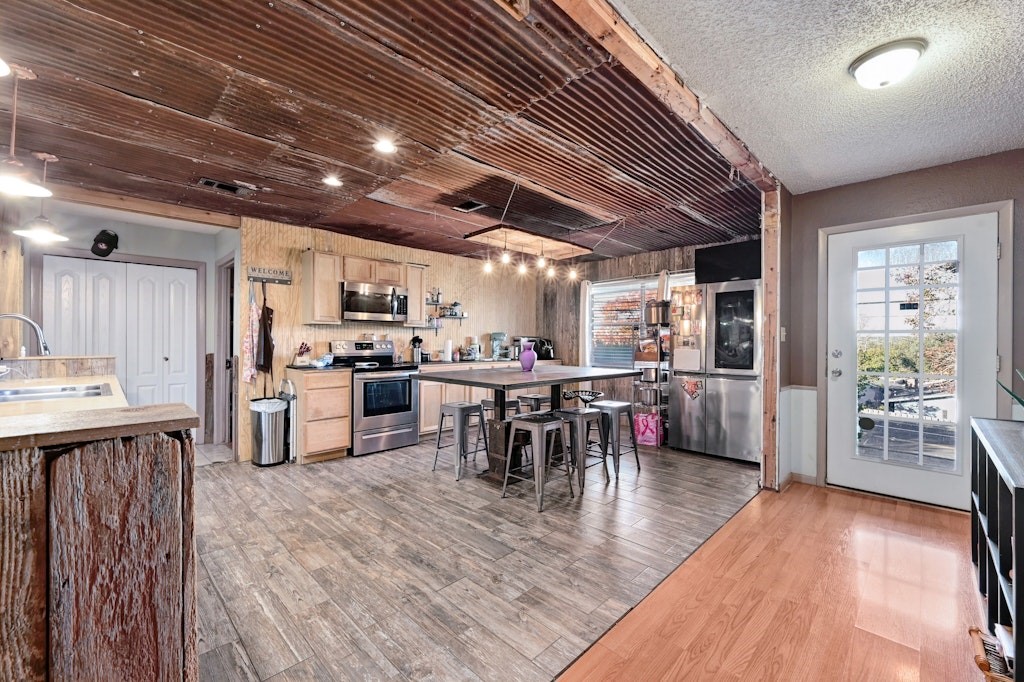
x: 497, y: 342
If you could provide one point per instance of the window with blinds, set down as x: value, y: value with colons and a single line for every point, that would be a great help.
x: 617, y: 319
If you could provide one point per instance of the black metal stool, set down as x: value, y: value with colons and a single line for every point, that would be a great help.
x: 611, y: 414
x: 540, y: 427
x: 460, y: 412
x: 534, y: 401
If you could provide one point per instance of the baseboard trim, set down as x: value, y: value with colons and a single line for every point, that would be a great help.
x: 804, y: 478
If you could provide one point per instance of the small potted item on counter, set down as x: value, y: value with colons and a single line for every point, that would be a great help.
x: 302, y: 358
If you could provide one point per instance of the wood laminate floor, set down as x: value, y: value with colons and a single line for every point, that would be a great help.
x: 812, y: 584
x: 377, y: 568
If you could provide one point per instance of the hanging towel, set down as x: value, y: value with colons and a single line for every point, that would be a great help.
x: 252, y: 331
x: 265, y: 344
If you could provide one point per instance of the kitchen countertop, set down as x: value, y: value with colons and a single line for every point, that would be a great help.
x: 74, y: 405
x: 60, y: 428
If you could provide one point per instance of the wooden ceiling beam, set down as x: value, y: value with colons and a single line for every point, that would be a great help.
x: 88, y: 197
x: 604, y: 24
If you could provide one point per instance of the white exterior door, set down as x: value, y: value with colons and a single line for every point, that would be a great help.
x: 161, y: 334
x: 912, y: 330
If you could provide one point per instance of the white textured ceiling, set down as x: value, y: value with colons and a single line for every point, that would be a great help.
x: 776, y: 73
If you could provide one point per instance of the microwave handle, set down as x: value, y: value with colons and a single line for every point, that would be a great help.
x: 394, y: 301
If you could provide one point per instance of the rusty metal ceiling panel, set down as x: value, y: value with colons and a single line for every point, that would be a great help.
x: 523, y: 147
x: 613, y: 116
x: 107, y: 52
x: 479, y: 45
x: 294, y: 44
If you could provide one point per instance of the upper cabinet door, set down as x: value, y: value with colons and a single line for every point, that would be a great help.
x: 358, y: 269
x: 391, y: 273
x: 321, y: 294
x: 416, y: 282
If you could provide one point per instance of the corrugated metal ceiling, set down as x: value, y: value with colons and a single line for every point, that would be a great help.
x: 145, y: 98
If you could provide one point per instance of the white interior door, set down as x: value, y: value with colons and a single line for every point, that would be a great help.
x: 161, y: 335
x: 64, y: 305
x: 912, y: 330
x: 106, y: 307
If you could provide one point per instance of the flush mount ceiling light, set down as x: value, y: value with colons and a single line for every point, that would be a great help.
x: 40, y: 230
x: 887, y: 64
x: 15, y: 180
x: 385, y: 146
x: 333, y: 181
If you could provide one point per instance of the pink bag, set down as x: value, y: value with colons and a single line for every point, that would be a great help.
x: 648, y: 428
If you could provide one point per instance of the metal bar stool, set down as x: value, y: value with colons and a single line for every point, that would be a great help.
x: 580, y: 419
x: 611, y: 413
x: 540, y: 427
x: 511, y: 406
x: 534, y: 401
x: 460, y: 412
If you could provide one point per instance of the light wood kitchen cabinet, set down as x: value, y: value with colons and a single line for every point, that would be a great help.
x: 431, y: 397
x: 97, y: 531
x: 389, y: 272
x: 358, y: 269
x: 321, y: 293
x: 416, y: 283
x: 323, y: 413
x: 367, y: 270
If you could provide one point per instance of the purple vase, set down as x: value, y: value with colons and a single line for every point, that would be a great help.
x: 527, y: 356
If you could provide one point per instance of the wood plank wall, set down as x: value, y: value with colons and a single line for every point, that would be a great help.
x: 12, y: 277
x: 770, y: 236
x: 501, y: 301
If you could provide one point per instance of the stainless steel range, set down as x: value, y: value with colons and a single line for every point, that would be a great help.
x: 385, y: 399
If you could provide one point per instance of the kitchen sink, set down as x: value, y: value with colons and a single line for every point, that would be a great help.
x: 56, y: 392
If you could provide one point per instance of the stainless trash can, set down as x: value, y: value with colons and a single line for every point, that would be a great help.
x: 287, y: 393
x: 268, y: 416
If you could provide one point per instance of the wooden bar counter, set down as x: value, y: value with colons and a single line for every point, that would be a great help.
x: 97, y: 545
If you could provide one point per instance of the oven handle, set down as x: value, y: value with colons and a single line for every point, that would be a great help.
x: 373, y: 376
x: 386, y: 433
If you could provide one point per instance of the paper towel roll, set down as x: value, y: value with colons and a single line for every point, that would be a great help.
x: 447, y: 355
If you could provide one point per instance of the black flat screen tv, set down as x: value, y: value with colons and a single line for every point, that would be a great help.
x: 728, y: 262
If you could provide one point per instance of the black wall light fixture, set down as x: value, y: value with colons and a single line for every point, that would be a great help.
x: 104, y: 243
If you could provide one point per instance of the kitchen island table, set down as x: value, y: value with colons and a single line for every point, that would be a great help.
x: 501, y: 381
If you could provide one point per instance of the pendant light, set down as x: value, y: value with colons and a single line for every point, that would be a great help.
x: 506, y: 257
x: 4, y: 69
x: 15, y: 180
x: 40, y: 229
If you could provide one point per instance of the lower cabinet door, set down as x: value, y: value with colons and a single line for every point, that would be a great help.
x: 327, y: 434
x: 431, y: 397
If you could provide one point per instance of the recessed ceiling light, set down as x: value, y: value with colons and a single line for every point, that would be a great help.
x: 385, y: 146
x: 887, y: 64
x: 333, y: 181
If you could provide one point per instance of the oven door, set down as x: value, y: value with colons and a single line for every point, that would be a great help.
x: 373, y: 302
x: 734, y: 328
x: 381, y: 399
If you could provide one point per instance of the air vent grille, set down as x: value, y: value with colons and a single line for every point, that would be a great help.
x: 469, y: 206
x: 229, y: 187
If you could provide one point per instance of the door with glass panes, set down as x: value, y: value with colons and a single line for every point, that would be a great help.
x: 911, y: 355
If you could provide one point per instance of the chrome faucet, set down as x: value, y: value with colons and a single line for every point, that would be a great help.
x: 43, y: 348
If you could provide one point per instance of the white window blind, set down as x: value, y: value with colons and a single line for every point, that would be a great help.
x: 617, y: 320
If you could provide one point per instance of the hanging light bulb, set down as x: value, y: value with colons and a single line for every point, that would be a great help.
x: 506, y: 257
x: 488, y: 266
x: 40, y: 230
x: 551, y: 271
x: 522, y: 268
x: 572, y: 273
x: 15, y: 180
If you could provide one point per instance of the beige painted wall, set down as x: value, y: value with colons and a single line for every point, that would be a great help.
x: 966, y: 183
x: 497, y: 302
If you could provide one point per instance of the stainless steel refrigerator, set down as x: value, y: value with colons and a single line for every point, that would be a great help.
x: 715, y: 389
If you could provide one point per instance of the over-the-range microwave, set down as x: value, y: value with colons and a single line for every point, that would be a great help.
x: 374, y: 302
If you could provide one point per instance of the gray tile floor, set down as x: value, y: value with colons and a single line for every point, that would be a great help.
x: 213, y: 454
x: 377, y: 568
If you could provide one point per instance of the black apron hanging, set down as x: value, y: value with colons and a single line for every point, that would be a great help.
x: 265, y: 344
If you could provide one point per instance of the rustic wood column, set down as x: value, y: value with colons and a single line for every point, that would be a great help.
x: 770, y: 236
x: 11, y: 280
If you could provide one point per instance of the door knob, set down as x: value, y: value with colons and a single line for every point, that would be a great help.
x: 836, y: 373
